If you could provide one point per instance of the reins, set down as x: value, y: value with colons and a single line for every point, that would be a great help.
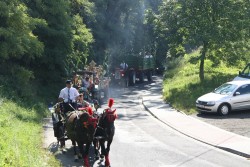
x: 76, y: 111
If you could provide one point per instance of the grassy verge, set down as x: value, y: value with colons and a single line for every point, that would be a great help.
x: 21, y: 135
x: 182, y: 85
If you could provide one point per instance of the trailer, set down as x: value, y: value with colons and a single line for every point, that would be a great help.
x: 138, y: 67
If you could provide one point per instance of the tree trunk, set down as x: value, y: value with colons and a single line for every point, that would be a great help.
x: 203, y: 56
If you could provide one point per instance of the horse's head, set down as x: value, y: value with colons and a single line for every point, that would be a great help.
x: 106, y: 126
x: 107, y: 118
x: 110, y: 115
x: 83, y: 117
x: 58, y: 108
x: 85, y: 126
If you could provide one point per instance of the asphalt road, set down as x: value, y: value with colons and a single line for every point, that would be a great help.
x: 143, y: 141
x: 237, y: 121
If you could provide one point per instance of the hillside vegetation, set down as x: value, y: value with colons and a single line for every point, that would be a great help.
x: 182, y: 85
x: 21, y: 133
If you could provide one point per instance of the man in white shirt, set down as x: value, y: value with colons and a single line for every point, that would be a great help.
x: 69, y: 95
x: 123, y: 66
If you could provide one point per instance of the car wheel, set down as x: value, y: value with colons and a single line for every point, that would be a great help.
x: 224, y: 109
x: 200, y: 112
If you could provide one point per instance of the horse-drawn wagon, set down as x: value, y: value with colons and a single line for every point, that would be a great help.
x: 99, y: 84
x: 78, y: 126
x: 84, y: 126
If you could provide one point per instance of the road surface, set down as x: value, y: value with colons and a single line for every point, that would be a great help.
x: 143, y: 141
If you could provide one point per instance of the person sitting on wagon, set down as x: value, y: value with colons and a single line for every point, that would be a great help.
x: 86, y: 87
x: 86, y: 83
x: 75, y: 81
x: 69, y: 95
x: 123, y: 66
x: 81, y: 102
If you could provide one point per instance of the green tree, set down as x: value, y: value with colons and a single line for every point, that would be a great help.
x: 211, y: 24
x: 57, y: 38
x: 120, y: 29
x: 157, y: 42
x: 82, y: 38
x: 16, y: 32
x: 67, y: 39
x: 85, y: 9
x: 18, y: 44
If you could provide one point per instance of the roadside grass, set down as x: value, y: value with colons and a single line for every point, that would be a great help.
x: 182, y: 86
x: 21, y: 134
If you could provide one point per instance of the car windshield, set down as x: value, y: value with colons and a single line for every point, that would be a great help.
x: 225, y: 89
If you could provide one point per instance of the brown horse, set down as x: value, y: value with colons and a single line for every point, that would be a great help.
x: 105, y: 132
x: 80, y: 129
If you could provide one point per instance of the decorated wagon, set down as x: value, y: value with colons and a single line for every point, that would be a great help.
x: 99, y: 88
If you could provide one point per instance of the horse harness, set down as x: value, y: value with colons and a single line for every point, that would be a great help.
x: 80, y: 126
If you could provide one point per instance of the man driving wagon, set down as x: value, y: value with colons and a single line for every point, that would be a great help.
x: 69, y: 96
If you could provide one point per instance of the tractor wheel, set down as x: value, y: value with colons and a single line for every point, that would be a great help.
x: 132, y: 78
x: 141, y: 77
x: 149, y: 76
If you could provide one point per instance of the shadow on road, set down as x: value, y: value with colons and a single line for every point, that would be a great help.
x: 244, y: 114
x: 67, y: 158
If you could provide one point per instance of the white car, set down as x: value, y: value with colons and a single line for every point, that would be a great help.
x: 234, y: 95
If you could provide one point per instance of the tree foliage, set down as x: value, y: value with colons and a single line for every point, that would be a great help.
x: 121, y: 29
x: 214, y: 25
x: 17, y: 39
x: 44, y: 41
x: 56, y: 36
x: 18, y: 44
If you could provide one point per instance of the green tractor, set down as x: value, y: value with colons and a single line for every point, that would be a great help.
x: 133, y: 68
